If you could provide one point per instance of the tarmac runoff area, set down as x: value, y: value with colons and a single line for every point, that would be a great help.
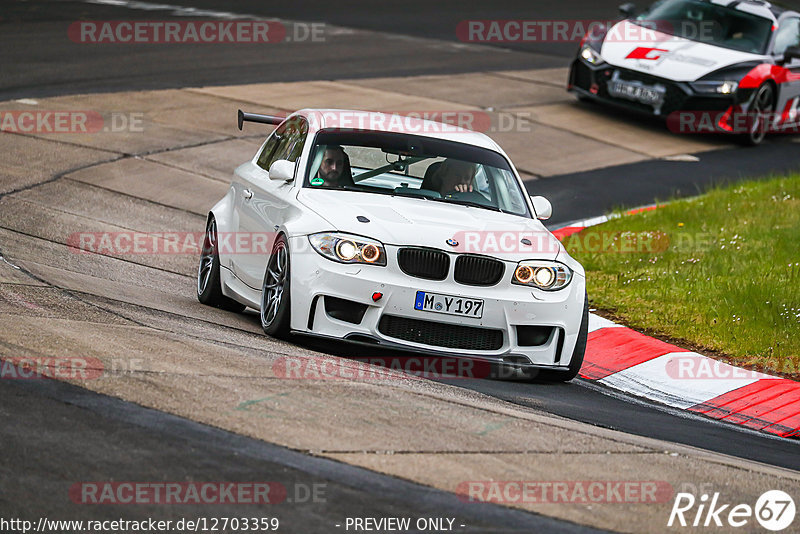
x: 136, y: 319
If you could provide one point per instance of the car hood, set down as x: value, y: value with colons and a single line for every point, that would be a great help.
x: 678, y: 59
x: 395, y: 220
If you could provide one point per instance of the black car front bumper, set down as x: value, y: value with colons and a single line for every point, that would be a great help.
x: 593, y: 82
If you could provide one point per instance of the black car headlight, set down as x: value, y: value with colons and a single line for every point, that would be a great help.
x: 345, y: 248
x: 718, y: 87
x: 546, y: 275
x: 591, y: 56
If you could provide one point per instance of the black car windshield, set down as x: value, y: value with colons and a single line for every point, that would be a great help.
x: 414, y: 166
x: 710, y: 23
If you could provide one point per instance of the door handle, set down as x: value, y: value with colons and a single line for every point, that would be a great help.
x: 247, y: 194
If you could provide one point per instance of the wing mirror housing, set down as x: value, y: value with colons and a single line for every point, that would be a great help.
x: 793, y: 52
x: 542, y: 207
x: 282, y: 170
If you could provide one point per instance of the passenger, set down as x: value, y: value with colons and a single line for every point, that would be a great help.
x: 455, y: 176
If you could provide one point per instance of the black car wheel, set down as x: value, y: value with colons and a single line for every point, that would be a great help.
x: 761, y: 113
x: 275, y: 293
x: 209, y: 289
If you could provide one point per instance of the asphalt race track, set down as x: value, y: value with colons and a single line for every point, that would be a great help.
x: 153, y: 445
x: 205, y: 406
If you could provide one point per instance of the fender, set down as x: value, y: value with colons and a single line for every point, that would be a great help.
x: 222, y: 211
x: 767, y: 71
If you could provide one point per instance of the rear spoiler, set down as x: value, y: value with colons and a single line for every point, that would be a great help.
x: 255, y: 117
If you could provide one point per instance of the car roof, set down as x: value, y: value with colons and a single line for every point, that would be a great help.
x: 411, y: 124
x: 761, y: 8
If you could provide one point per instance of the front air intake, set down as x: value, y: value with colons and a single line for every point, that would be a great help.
x: 453, y: 336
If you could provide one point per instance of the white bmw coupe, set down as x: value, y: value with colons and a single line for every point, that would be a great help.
x: 395, y: 231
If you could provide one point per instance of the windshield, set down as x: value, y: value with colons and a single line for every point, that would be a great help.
x: 415, y: 166
x: 710, y: 23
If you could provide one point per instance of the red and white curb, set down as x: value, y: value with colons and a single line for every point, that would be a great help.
x: 575, y: 227
x: 629, y: 361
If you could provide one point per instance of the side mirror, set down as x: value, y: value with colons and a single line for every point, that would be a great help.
x: 793, y: 52
x: 542, y: 207
x: 281, y: 169
x: 627, y: 10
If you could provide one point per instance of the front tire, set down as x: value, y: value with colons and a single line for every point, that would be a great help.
x: 209, y: 288
x: 275, y: 291
x: 762, y: 111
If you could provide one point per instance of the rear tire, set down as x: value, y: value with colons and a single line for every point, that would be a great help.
x: 578, y: 353
x: 209, y: 288
x: 275, y: 291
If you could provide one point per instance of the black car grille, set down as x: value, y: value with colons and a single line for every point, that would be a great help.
x: 478, y: 270
x: 452, y: 336
x: 423, y: 263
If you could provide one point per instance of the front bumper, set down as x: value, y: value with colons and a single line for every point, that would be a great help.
x: 393, y: 321
x: 593, y: 82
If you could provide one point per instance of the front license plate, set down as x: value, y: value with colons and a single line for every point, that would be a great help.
x: 450, y: 305
x: 639, y: 93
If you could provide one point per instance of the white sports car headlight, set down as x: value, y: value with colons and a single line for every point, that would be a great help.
x: 723, y: 87
x: 547, y: 275
x: 590, y: 55
x: 346, y: 248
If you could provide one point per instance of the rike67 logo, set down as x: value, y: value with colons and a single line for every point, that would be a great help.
x: 774, y: 510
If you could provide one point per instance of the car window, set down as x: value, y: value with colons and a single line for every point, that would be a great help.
x: 405, y: 165
x: 265, y: 158
x: 712, y: 23
x: 788, y: 35
x: 286, y: 142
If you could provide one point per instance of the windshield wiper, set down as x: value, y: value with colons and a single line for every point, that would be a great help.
x: 396, y: 193
x: 470, y: 203
x: 360, y: 189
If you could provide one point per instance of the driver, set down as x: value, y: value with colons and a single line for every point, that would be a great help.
x: 455, y: 175
x: 335, y: 167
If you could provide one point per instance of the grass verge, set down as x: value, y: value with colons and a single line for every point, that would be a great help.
x: 720, y: 271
